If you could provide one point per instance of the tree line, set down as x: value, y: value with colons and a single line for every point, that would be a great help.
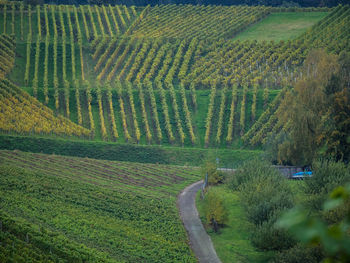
x: 302, y: 3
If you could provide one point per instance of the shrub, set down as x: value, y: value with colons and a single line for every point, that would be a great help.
x: 332, y: 239
x: 263, y: 190
x: 264, y: 195
x: 247, y: 171
x: 299, y: 253
x: 214, y: 176
x: 327, y: 175
x: 267, y: 237
x: 214, y: 209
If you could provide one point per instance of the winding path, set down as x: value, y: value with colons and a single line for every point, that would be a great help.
x: 199, y: 240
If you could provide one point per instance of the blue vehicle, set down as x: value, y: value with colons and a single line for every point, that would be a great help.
x: 301, y: 175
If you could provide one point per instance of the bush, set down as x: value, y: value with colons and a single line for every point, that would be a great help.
x: 332, y: 239
x: 337, y: 214
x: 267, y: 237
x: 299, y: 253
x: 327, y: 175
x: 214, y: 209
x: 263, y: 191
x: 214, y: 176
x: 247, y: 171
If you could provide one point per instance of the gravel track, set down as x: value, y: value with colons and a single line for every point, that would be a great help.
x: 199, y: 240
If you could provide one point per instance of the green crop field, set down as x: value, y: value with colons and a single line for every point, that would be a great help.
x: 67, y: 209
x: 281, y: 26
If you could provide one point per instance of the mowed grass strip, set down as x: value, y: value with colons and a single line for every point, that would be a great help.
x: 281, y: 26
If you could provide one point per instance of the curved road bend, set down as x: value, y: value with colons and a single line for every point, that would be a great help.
x: 200, y: 241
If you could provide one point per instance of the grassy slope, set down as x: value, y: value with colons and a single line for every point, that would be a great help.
x: 281, y: 26
x: 125, y: 152
x: 107, y: 210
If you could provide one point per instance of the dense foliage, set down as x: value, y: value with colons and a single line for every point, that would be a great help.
x: 321, y: 224
x: 316, y: 113
x: 264, y: 194
x: 333, y: 85
x: 306, y: 3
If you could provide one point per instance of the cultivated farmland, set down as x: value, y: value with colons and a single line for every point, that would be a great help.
x: 65, y: 209
x: 122, y: 74
x: 103, y: 100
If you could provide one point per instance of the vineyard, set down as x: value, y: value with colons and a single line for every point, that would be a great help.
x: 7, y: 55
x: 158, y: 75
x: 23, y: 114
x: 335, y: 39
x: 149, y: 86
x: 108, y: 211
x: 202, y: 22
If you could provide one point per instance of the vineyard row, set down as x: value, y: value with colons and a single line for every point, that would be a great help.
x: 155, y: 114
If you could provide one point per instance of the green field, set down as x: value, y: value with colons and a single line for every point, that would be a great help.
x: 68, y: 209
x: 281, y: 26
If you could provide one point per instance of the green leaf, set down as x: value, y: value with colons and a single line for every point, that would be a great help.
x: 331, y: 204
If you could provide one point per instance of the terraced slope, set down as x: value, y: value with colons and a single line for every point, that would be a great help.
x: 77, y: 209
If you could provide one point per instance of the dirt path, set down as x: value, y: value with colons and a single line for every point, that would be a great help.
x: 200, y: 241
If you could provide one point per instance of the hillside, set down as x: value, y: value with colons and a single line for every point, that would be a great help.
x: 23, y: 114
x: 103, y: 211
x: 98, y: 103
x: 147, y: 75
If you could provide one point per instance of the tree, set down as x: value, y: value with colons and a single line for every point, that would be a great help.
x: 209, y: 167
x: 333, y: 239
x: 337, y: 134
x: 215, y: 212
x: 318, y: 110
